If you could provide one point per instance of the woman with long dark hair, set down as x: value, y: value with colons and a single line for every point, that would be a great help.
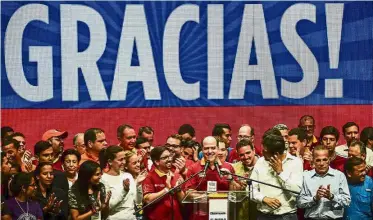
x: 121, y: 184
x: 52, y: 200
x: 21, y: 206
x: 87, y: 197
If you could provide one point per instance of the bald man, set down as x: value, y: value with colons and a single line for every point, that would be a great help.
x: 211, y: 179
x: 245, y: 132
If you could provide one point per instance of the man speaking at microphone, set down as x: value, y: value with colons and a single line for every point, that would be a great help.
x: 210, y: 178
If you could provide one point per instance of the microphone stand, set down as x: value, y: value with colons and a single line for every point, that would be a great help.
x: 171, y: 191
x: 250, y: 186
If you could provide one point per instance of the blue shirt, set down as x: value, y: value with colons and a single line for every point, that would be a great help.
x: 324, y: 208
x: 361, y: 201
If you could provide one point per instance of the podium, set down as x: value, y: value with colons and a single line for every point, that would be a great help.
x: 220, y: 205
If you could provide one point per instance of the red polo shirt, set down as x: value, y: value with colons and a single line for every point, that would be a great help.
x: 338, y: 163
x: 199, y: 183
x: 153, y: 183
x: 211, y: 175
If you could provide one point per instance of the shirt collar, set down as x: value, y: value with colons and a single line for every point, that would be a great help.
x: 331, y: 172
x: 92, y: 157
x: 314, y: 139
x: 160, y: 173
x: 203, y: 162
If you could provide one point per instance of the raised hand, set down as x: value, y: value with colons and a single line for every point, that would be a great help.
x: 57, y: 207
x: 276, y: 164
x: 168, y: 180
x: 126, y: 184
x: 28, y: 166
x: 141, y: 177
x: 180, y: 164
x: 50, y: 203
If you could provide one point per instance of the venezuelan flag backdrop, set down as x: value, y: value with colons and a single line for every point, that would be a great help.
x: 74, y: 65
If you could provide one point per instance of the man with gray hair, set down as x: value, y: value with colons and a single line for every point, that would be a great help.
x: 78, y: 143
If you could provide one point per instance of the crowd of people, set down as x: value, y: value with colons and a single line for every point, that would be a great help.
x: 310, y: 175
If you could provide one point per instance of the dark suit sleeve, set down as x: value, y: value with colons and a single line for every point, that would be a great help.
x: 60, y: 181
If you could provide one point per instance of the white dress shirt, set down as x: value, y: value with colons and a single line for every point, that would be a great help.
x: 290, y: 178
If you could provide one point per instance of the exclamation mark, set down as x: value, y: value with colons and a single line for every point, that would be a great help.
x: 334, y: 18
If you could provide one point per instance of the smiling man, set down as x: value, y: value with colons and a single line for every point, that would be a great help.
x: 324, y: 193
x: 360, y: 186
x: 158, y: 182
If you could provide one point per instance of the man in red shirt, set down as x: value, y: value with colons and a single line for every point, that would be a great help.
x: 329, y: 136
x: 201, y: 182
x: 56, y: 138
x: 307, y: 122
x: 95, y: 141
x: 245, y: 132
x: 358, y: 149
x: 158, y: 182
x: 127, y: 137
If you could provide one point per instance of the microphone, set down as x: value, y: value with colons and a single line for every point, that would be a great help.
x: 217, y: 168
x: 207, y: 164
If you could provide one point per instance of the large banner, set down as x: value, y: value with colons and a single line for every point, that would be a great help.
x: 75, y: 65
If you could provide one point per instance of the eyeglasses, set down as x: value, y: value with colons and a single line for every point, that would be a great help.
x: 166, y: 157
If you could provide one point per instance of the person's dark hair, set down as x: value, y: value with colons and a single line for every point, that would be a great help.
x: 91, y: 135
x: 70, y: 152
x: 41, y: 165
x: 243, y: 143
x: 20, y: 180
x: 218, y: 129
x: 329, y: 130
x: 301, y: 134
x: 156, y: 153
x: 366, y: 134
x: 187, y: 128
x: 145, y: 129
x: 319, y: 148
x: 41, y: 146
x: 86, y: 171
x: 305, y: 118
x: 273, y: 141
x: 108, y: 153
x: 363, y: 149
x: 140, y: 140
x: 17, y: 134
x: 4, y: 131
x: 3, y: 155
x: 121, y: 129
x: 349, y: 124
x: 190, y: 144
x: 352, y: 162
x: 7, y: 142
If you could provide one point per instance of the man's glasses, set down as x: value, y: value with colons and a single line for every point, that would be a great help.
x: 166, y: 157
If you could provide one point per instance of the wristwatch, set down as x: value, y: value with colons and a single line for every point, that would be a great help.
x: 331, y: 196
